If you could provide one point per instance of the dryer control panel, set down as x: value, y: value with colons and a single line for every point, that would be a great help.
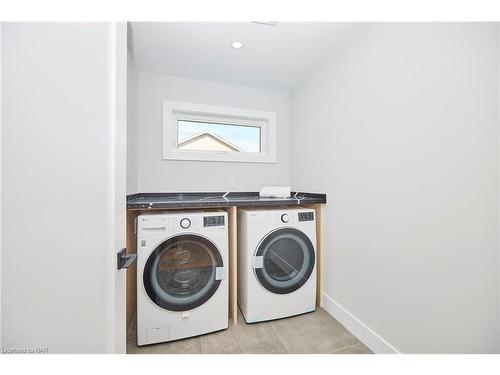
x: 306, y: 216
x: 213, y: 221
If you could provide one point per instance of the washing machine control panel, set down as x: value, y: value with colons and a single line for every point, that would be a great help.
x: 306, y: 216
x: 185, y: 223
x: 213, y: 221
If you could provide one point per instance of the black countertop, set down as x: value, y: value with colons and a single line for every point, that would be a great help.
x: 192, y: 200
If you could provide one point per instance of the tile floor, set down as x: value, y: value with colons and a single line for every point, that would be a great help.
x: 314, y: 333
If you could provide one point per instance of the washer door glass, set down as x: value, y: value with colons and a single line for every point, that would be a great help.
x: 181, y: 273
x: 287, y: 260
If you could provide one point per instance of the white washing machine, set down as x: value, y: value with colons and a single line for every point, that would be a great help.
x: 182, y: 262
x: 276, y: 263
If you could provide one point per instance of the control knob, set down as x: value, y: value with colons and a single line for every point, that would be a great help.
x: 185, y: 223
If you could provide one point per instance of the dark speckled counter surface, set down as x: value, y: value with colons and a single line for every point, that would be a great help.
x: 143, y: 201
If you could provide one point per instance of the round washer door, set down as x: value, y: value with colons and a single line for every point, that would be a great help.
x: 182, y: 272
x: 284, y: 260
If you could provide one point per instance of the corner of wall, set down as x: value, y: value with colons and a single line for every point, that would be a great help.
x: 365, y: 334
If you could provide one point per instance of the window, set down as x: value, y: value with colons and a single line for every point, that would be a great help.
x: 211, y: 136
x: 203, y: 132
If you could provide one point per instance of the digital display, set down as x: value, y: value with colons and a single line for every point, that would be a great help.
x: 306, y: 216
x: 213, y: 221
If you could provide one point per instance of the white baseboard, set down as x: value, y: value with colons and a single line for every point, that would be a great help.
x: 364, y: 333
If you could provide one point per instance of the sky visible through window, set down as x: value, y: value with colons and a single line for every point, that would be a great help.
x: 247, y: 138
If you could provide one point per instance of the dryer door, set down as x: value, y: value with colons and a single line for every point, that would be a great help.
x: 183, y: 272
x: 284, y: 260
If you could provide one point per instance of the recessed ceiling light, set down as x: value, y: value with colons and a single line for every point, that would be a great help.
x: 236, y: 44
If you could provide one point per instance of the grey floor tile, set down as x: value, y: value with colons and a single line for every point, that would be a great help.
x: 356, y: 349
x: 221, y: 342
x: 316, y: 332
x: 243, y: 338
x: 313, y: 333
x: 258, y: 338
x: 185, y: 346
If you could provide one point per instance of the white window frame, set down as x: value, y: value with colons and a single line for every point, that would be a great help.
x: 174, y: 111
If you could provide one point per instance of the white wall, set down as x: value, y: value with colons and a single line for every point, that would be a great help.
x: 404, y: 121
x: 57, y: 171
x: 158, y: 175
x: 132, y: 76
x: 1, y: 119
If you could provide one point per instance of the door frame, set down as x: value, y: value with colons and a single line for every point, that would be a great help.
x: 1, y: 116
x: 118, y: 113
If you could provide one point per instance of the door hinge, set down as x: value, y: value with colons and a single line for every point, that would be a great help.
x: 125, y: 260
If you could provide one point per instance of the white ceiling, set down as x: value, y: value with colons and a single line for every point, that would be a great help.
x: 272, y: 57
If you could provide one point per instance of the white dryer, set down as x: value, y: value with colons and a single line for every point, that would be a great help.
x: 276, y: 263
x: 182, y: 262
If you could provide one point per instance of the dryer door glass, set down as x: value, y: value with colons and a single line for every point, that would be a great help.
x: 181, y: 273
x: 288, y: 260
